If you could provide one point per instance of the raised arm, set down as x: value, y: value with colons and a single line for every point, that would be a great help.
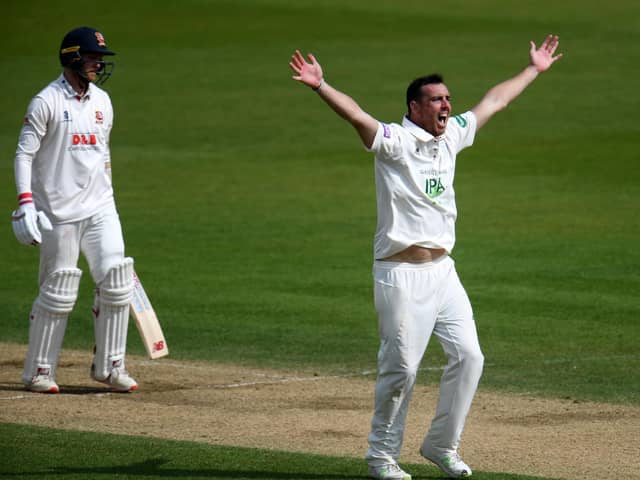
x: 310, y: 74
x: 504, y: 93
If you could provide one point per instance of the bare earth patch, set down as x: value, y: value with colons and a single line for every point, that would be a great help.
x: 234, y: 406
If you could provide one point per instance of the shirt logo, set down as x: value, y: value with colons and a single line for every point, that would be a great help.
x: 461, y: 120
x: 26, y: 121
x: 434, y: 187
x: 99, y: 116
x: 83, y: 139
x: 83, y: 142
x: 65, y: 116
x: 386, y: 131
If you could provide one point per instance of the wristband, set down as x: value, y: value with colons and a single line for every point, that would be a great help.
x: 315, y: 89
x: 25, y: 198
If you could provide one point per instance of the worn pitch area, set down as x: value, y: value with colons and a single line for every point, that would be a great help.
x: 299, y: 412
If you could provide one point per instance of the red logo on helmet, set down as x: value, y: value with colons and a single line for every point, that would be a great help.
x: 83, y: 139
x: 99, y: 116
x: 100, y: 39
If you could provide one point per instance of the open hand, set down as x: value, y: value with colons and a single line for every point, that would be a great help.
x: 309, y: 73
x: 542, y: 58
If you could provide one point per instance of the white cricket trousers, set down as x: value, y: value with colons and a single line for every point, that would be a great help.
x: 414, y: 301
x: 98, y: 237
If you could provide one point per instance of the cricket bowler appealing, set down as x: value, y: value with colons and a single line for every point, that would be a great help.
x: 417, y: 291
x: 66, y: 205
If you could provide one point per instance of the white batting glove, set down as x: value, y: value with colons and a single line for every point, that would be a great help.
x: 27, y: 222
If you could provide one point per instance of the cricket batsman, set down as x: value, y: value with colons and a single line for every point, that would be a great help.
x: 417, y: 292
x: 66, y: 206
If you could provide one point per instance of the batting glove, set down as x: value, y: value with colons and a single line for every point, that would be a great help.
x: 27, y: 222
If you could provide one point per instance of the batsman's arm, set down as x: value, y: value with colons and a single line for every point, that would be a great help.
x: 500, y: 96
x: 34, y: 127
x: 108, y: 127
x: 27, y: 221
x: 310, y: 73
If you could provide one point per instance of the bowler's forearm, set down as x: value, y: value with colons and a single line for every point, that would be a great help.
x: 342, y: 104
x: 347, y: 108
x: 505, y: 92
x: 498, y: 97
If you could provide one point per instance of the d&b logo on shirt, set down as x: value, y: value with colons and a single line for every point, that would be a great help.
x: 83, y: 142
x: 83, y: 139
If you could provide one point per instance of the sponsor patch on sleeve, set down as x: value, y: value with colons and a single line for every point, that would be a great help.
x: 461, y: 120
x: 386, y: 131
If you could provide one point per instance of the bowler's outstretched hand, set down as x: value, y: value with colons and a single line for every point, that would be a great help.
x: 542, y: 58
x: 309, y: 73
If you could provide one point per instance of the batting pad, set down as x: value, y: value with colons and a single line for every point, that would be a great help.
x: 111, y: 310
x: 48, y: 322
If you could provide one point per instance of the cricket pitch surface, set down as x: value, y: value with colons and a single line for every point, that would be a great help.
x: 301, y: 412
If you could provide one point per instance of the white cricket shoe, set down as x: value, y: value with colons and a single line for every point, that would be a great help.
x: 449, y: 462
x: 42, y: 384
x: 119, y: 380
x: 389, y: 471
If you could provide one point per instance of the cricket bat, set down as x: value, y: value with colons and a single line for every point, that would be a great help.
x: 147, y: 321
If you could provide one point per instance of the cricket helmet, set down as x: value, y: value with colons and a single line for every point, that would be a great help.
x: 85, y: 40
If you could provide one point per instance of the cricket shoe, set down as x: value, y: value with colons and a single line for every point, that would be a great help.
x: 42, y: 384
x: 389, y: 471
x: 449, y: 462
x: 119, y: 380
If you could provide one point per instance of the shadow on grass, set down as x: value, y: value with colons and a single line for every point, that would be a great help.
x: 153, y: 469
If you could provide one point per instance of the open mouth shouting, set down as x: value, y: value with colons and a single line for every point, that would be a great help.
x: 442, y: 120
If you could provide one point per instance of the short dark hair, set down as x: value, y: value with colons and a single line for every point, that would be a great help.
x: 414, y: 90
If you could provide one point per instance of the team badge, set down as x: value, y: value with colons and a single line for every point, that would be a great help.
x: 99, y: 116
x: 100, y: 39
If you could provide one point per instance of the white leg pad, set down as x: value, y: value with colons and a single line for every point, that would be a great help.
x: 48, y: 321
x: 111, y: 314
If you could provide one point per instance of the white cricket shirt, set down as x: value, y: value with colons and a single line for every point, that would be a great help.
x: 63, y: 152
x: 414, y: 184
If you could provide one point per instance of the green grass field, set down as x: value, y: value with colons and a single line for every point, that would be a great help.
x: 249, y: 206
x: 76, y: 455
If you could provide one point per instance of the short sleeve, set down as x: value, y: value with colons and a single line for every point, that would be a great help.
x: 461, y: 130
x: 387, y: 143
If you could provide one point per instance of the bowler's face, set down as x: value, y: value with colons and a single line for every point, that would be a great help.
x: 432, y: 110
